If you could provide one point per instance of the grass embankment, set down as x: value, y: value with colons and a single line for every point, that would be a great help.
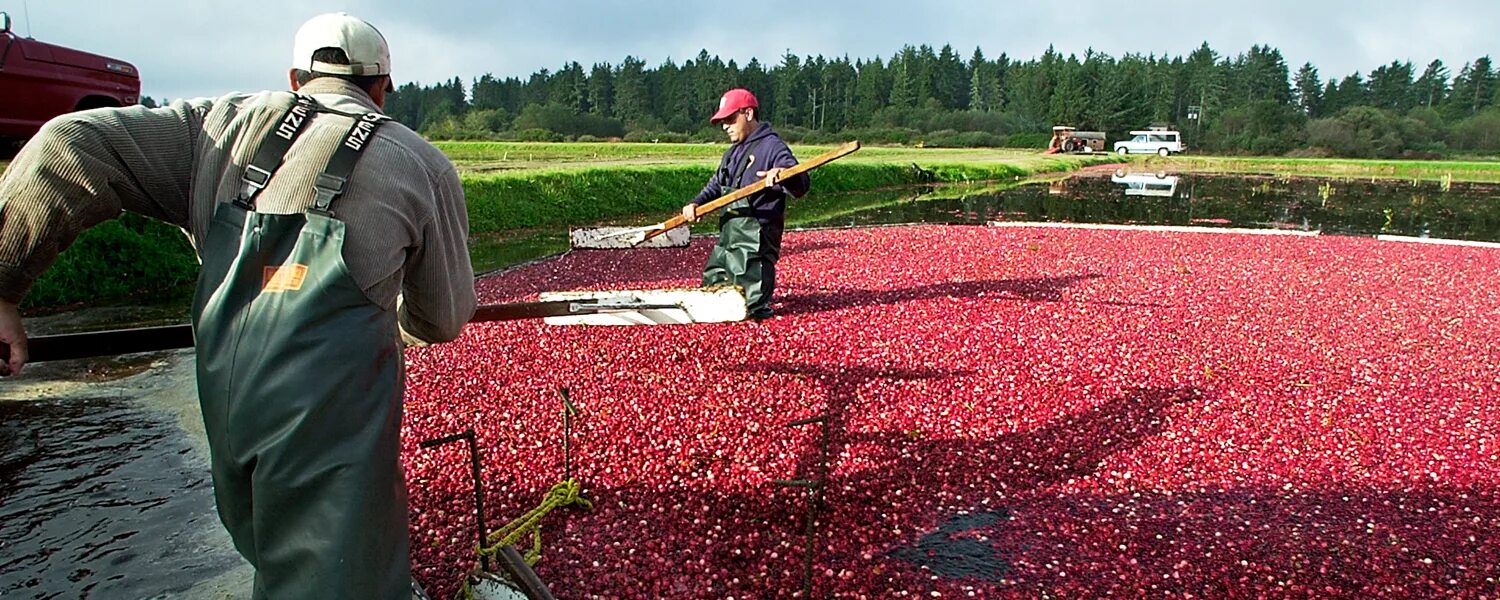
x: 517, y: 215
x: 1475, y: 171
x: 593, y: 190
x: 523, y: 198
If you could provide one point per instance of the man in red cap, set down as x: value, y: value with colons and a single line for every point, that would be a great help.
x: 750, y: 229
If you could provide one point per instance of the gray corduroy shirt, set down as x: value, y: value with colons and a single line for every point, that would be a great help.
x: 404, y: 208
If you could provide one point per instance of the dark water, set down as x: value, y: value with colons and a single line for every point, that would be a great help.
x: 953, y: 552
x: 1461, y: 211
x: 100, y: 498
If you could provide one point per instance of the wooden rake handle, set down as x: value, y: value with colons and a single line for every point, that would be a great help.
x: 91, y: 344
x: 727, y: 199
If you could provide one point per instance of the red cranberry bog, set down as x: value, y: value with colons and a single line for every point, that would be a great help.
x: 988, y: 412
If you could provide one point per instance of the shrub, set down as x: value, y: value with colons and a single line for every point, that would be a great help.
x: 566, y: 121
x: 1310, y: 152
x: 116, y: 258
x: 1365, y: 132
x: 664, y: 137
x: 1479, y: 133
x: 537, y: 134
x: 1027, y: 140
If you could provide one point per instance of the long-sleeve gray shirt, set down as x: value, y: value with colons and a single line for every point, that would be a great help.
x: 407, y: 225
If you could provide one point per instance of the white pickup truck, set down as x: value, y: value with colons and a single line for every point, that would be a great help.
x: 1155, y: 141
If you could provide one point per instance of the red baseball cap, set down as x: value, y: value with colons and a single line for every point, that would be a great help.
x: 733, y: 100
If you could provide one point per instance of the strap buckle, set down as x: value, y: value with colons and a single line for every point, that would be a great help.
x: 256, y: 177
x: 327, y: 189
x: 254, y: 180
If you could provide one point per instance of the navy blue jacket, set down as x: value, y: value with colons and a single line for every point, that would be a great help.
x: 762, y: 150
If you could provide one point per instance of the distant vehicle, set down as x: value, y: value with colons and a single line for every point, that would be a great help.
x: 42, y: 80
x: 1066, y: 140
x: 1160, y: 141
x: 1146, y: 184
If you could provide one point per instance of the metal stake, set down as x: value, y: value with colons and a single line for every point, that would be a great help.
x: 568, y: 412
x: 814, y: 489
x: 468, y: 435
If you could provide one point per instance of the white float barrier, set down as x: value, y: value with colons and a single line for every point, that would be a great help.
x: 1438, y: 241
x: 603, y: 238
x: 666, y: 307
x: 1162, y: 228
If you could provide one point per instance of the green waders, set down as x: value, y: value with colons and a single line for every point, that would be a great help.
x: 300, y: 380
x: 746, y: 256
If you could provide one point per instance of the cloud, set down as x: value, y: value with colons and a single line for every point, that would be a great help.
x: 204, y: 47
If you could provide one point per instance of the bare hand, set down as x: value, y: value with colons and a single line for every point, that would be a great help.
x: 690, y: 213
x: 772, y: 175
x: 12, y: 339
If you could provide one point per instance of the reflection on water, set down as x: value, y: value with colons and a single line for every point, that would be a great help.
x: 101, y: 499
x: 1160, y: 185
x: 1462, y: 211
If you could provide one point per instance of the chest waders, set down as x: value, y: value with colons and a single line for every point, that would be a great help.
x: 300, y: 380
x: 747, y: 250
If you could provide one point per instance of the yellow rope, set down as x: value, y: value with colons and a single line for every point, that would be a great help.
x: 564, y: 493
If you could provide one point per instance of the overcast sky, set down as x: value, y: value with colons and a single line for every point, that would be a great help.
x: 188, y: 48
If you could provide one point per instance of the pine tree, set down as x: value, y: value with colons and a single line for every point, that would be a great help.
x: 632, y: 97
x: 1309, y: 90
x: 904, y: 81
x: 1431, y: 89
x: 981, y: 82
x: 601, y: 87
x: 1391, y: 87
x: 1473, y: 89
x: 791, y: 93
x: 872, y: 90
x: 950, y: 80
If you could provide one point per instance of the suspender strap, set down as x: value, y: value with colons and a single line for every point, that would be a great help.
x: 273, y: 149
x: 335, y: 177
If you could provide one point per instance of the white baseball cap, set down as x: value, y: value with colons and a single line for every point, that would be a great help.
x: 361, y: 42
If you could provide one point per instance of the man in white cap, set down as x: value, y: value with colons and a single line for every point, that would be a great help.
x: 328, y: 236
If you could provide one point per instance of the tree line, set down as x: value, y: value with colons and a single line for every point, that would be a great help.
x: 1250, y: 103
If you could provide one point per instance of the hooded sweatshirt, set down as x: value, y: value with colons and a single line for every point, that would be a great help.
x: 761, y: 150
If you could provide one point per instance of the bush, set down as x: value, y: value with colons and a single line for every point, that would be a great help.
x: 966, y: 139
x: 1310, y: 152
x: 454, y: 128
x: 565, y: 121
x: 665, y: 137
x: 115, y: 259
x: 1027, y: 140
x: 882, y: 135
x: 931, y: 119
x: 710, y: 134
x: 537, y: 134
x: 1365, y: 132
x: 1479, y: 133
x: 1264, y: 127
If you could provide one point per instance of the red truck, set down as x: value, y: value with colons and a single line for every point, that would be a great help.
x: 39, y: 81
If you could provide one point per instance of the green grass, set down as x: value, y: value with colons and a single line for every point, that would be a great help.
x: 1474, y: 171
x: 489, y: 157
x: 587, y: 192
x: 523, y: 197
x: 524, y: 214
